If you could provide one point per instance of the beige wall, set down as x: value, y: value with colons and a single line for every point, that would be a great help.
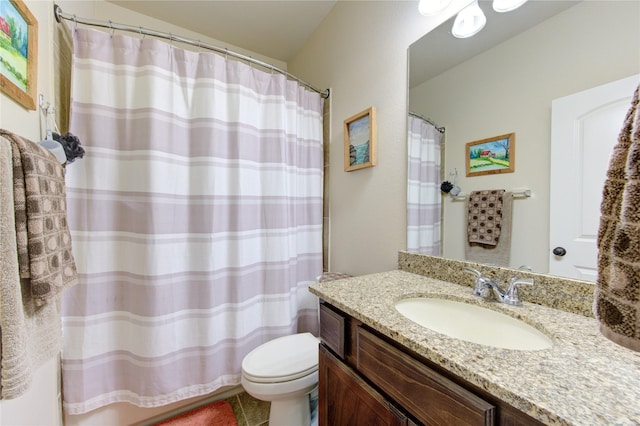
x: 509, y: 89
x: 360, y: 52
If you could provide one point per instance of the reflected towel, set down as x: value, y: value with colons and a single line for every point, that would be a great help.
x: 617, y: 295
x: 500, y: 253
x: 484, y: 216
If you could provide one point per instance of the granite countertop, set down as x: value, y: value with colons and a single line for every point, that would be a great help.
x: 584, y: 379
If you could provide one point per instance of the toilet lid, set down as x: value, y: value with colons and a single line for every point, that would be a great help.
x: 282, y: 359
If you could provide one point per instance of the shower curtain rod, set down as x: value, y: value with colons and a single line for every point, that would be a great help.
x: 59, y: 14
x: 428, y: 120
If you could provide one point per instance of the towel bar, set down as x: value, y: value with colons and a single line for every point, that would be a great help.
x: 523, y: 193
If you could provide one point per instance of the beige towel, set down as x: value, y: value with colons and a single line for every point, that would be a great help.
x: 617, y: 295
x: 43, y: 237
x: 332, y: 276
x: 500, y: 253
x: 30, y: 334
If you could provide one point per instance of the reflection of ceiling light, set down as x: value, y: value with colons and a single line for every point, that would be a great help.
x: 507, y: 5
x: 431, y: 7
x: 469, y: 21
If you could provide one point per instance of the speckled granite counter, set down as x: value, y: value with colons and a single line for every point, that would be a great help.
x: 556, y: 292
x: 584, y: 379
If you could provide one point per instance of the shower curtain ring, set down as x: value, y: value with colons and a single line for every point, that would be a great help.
x: 111, y: 28
x: 141, y: 33
x: 171, y: 39
x: 75, y: 23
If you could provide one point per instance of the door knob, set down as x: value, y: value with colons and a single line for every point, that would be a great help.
x: 559, y: 251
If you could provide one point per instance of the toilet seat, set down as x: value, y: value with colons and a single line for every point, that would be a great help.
x: 283, y: 359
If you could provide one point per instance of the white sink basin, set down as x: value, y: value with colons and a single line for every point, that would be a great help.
x: 473, y: 323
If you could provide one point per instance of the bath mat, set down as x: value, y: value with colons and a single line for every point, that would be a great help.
x: 217, y: 413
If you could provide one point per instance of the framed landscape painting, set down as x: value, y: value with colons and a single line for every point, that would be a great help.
x: 492, y: 155
x: 360, y: 140
x: 18, y: 52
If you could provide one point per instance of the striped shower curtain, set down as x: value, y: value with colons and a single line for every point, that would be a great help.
x: 424, y: 215
x: 196, y: 218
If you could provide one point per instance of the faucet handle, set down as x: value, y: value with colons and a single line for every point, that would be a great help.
x: 473, y: 271
x: 480, y: 287
x: 511, y: 295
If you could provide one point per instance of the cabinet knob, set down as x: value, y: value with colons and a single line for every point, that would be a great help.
x: 559, y: 251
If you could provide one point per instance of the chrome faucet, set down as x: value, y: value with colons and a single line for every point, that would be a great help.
x: 485, y: 287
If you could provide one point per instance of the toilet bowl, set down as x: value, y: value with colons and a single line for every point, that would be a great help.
x: 283, y: 371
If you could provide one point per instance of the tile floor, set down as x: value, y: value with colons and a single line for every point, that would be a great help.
x: 249, y: 411
x: 252, y: 412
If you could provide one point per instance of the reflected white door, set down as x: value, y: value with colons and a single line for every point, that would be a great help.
x: 584, y: 129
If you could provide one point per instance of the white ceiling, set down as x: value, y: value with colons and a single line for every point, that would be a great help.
x: 276, y: 29
x: 438, y: 51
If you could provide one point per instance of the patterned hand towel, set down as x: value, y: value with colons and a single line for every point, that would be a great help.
x: 30, y: 334
x: 617, y: 295
x: 485, y: 216
x: 499, y: 254
x: 43, y: 237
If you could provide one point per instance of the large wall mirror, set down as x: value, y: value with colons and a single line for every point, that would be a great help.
x: 504, y: 80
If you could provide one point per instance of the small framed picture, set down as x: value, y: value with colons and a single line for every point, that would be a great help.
x: 18, y: 52
x: 492, y: 155
x: 360, y: 140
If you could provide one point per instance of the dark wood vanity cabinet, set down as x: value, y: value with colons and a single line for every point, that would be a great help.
x: 346, y: 399
x: 366, y: 379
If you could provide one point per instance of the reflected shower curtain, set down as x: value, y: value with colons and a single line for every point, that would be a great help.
x: 196, y: 217
x: 424, y: 216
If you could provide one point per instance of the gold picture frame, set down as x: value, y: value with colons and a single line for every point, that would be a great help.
x: 492, y: 155
x: 18, y: 53
x: 360, y: 140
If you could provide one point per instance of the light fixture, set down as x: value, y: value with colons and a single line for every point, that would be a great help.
x: 507, y: 5
x: 469, y: 21
x: 432, y: 7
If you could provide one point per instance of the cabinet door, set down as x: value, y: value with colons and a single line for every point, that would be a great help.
x: 346, y: 400
x: 428, y: 396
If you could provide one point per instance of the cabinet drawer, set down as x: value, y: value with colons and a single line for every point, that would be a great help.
x: 430, y: 397
x: 332, y: 329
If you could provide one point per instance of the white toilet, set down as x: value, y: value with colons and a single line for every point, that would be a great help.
x: 283, y: 371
